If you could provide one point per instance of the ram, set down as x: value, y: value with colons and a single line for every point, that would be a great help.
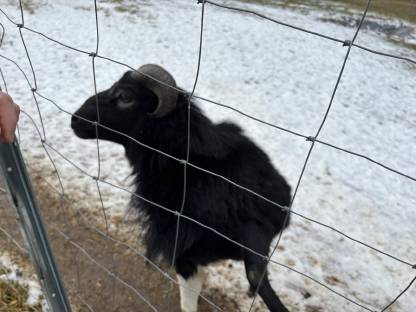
x: 147, y: 106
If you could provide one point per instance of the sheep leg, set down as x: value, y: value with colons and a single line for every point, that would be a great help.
x: 190, y: 278
x: 255, y: 266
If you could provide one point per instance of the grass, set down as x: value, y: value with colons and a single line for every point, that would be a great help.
x: 13, y: 297
x: 402, y: 9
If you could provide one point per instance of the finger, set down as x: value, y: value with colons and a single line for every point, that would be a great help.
x: 8, y: 136
x: 3, y: 137
x: 8, y: 126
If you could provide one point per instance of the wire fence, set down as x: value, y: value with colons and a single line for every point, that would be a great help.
x: 69, y: 211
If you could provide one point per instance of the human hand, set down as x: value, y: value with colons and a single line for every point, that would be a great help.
x: 9, y: 115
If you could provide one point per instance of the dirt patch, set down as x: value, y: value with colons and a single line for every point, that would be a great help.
x: 100, y: 272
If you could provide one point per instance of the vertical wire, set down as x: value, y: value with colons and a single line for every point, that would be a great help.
x: 34, y: 89
x: 401, y: 294
x: 188, y: 141
x: 313, y: 140
x: 97, y: 141
x: 94, y: 55
x: 21, y: 12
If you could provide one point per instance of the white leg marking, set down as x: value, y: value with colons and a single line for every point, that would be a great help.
x: 189, y: 290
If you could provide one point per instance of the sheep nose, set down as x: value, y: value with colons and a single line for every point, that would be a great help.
x: 78, y: 124
x: 75, y: 122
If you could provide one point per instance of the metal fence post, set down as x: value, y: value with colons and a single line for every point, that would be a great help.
x: 22, y: 198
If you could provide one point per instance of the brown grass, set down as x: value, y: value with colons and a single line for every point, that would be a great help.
x: 402, y: 9
x: 13, y: 297
x: 85, y: 279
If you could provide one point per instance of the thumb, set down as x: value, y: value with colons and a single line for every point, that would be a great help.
x: 6, y: 136
x: 9, y: 137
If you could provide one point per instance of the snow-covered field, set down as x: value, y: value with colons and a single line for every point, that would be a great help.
x: 269, y: 71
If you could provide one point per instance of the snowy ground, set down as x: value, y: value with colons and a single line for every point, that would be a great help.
x: 10, y: 272
x: 274, y: 73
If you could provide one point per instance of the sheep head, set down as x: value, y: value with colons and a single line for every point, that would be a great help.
x: 149, y: 92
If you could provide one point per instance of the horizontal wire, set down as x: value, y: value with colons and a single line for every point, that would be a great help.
x: 218, y: 104
x: 105, y: 269
x: 7, y: 16
x: 86, y: 223
x: 367, y: 158
x: 84, y: 302
x: 11, y: 239
x: 373, y: 51
x: 235, y: 110
x: 217, y: 233
x: 385, y: 54
x: 196, y: 167
x: 147, y: 260
x: 344, y: 42
x: 18, y: 66
x: 232, y: 8
x: 228, y: 181
x: 190, y: 219
x: 97, y: 179
x: 201, y: 225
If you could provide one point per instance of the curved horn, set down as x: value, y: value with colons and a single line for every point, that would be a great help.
x: 167, y: 95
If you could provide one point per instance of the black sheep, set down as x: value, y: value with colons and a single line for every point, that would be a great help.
x: 156, y: 115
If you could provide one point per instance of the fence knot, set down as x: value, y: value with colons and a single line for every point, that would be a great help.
x: 20, y: 25
x: 414, y: 266
x: 33, y: 89
x: 183, y: 161
x: 311, y: 139
x: 95, y: 178
x: 347, y: 43
x: 43, y: 141
x: 200, y: 1
x: 93, y: 54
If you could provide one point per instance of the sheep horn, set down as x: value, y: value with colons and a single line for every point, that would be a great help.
x: 164, y: 87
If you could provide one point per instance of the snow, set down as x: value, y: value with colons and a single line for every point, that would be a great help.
x: 16, y: 274
x: 278, y: 74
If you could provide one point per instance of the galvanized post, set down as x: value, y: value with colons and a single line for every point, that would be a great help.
x: 29, y: 216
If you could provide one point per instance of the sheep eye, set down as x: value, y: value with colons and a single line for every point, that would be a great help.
x: 125, y: 101
x: 125, y: 98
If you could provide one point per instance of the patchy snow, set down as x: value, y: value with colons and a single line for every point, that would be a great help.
x: 274, y: 73
x: 16, y: 274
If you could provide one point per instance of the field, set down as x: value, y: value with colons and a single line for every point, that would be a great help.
x: 274, y: 73
x: 402, y: 9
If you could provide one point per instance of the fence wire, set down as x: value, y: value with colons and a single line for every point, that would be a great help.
x: 312, y: 140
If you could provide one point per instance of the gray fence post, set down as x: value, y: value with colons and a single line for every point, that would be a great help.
x: 23, y: 199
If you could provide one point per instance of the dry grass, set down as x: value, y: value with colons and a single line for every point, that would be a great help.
x: 14, y: 296
x: 102, y: 292
x: 402, y: 9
